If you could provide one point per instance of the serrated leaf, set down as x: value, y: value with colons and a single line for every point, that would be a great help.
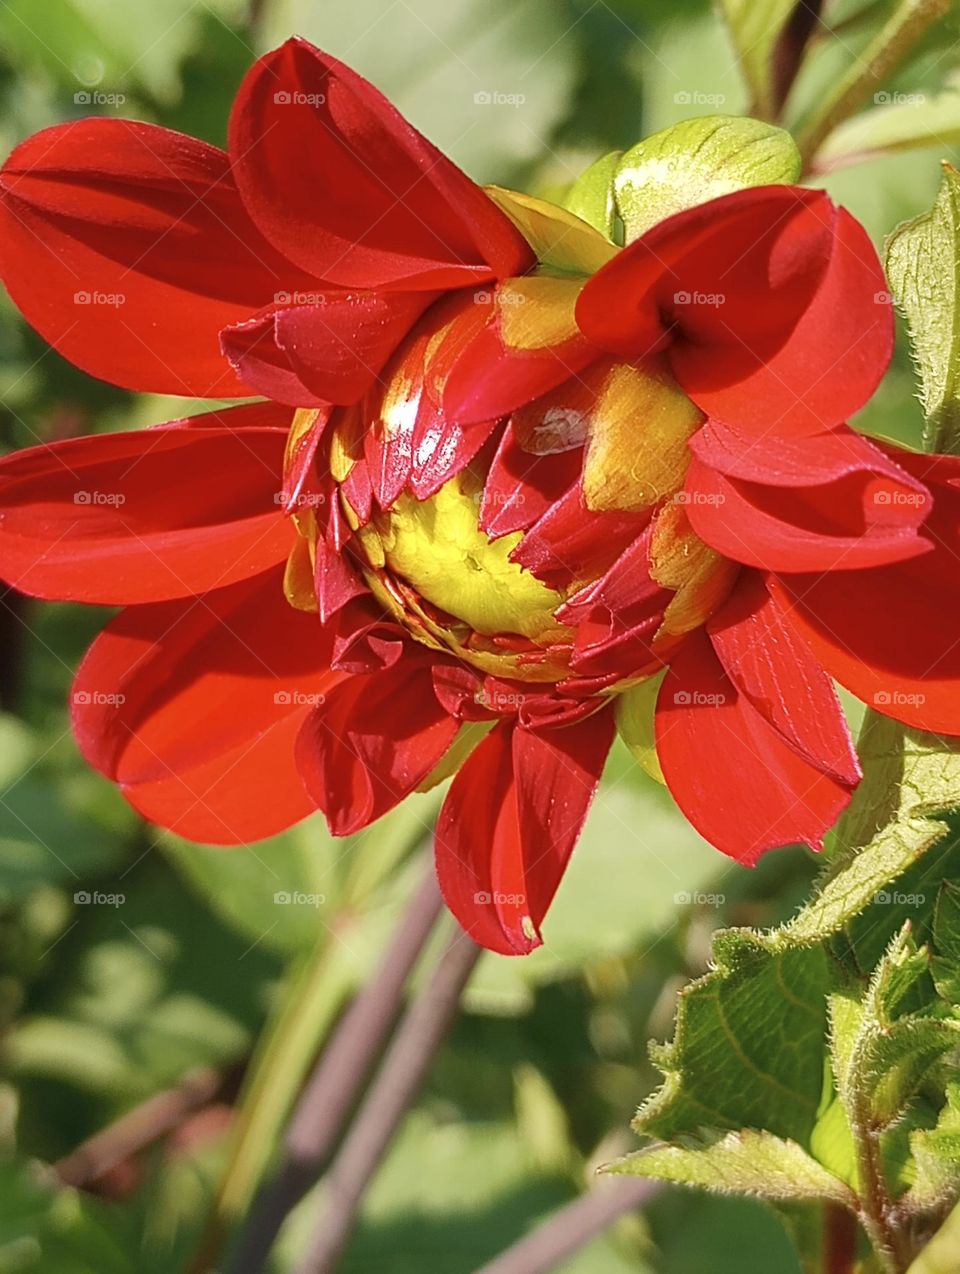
x: 880, y: 1058
x: 755, y: 26
x: 945, y: 964
x: 748, y: 1047
x: 591, y: 196
x: 748, y: 1162
x: 923, y: 266
x: 696, y: 161
x: 913, y: 120
x: 936, y: 1157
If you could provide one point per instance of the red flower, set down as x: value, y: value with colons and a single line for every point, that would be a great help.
x: 532, y: 482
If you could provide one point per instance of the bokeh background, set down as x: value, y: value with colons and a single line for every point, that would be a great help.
x: 130, y: 960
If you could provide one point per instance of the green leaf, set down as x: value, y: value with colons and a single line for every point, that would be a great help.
x: 936, y: 1158
x: 880, y: 1058
x: 748, y: 1047
x: 696, y: 161
x: 755, y: 26
x: 749, y: 1162
x: 923, y: 265
x: 591, y: 196
x: 945, y: 965
x: 909, y: 121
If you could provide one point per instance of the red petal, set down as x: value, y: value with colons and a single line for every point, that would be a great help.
x: 520, y: 487
x: 193, y: 708
x: 373, y: 741
x: 740, y: 785
x: 863, y: 519
x: 773, y: 668
x: 491, y: 379
x: 570, y: 543
x: 128, y: 248
x: 773, y: 302
x: 148, y: 515
x: 340, y: 182
x: 509, y: 825
x: 329, y: 351
x: 889, y: 635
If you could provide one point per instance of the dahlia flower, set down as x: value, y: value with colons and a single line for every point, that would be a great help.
x: 509, y: 487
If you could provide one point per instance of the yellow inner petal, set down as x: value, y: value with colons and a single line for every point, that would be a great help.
x: 679, y: 559
x: 537, y: 312
x: 639, y: 428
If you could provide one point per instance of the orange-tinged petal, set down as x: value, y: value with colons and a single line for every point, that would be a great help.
x: 680, y: 560
x: 537, y: 312
x: 639, y: 427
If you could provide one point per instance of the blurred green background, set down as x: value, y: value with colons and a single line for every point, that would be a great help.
x: 129, y: 960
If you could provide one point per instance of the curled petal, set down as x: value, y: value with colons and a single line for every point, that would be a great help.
x: 339, y: 181
x: 771, y: 302
x: 331, y: 351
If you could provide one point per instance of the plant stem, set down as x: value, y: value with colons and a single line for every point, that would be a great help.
x: 309, y: 1006
x: 839, y: 1239
x: 885, y: 52
x: 572, y: 1227
x: 404, y: 1068
x: 339, y: 1075
x: 875, y: 1204
x: 137, y: 1129
x: 790, y: 50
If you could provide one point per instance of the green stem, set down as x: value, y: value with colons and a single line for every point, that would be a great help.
x: 908, y: 23
x: 311, y: 1001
